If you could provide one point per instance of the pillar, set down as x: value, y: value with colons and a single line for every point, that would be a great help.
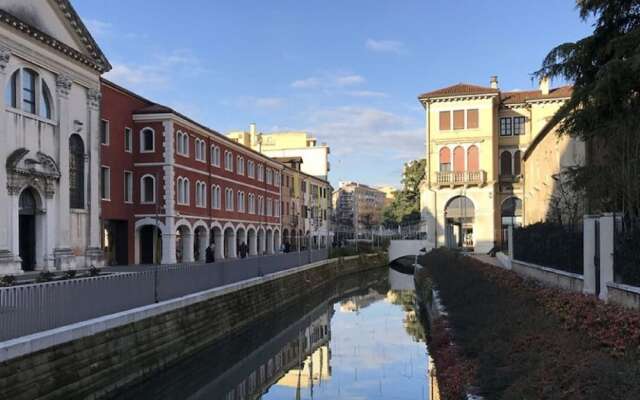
x: 510, y: 241
x: 203, y: 242
x: 167, y: 196
x: 253, y: 245
x: 607, y: 226
x: 94, y: 250
x: 589, y: 253
x: 187, y: 247
x: 62, y: 253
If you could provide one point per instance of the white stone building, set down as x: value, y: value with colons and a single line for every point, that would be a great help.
x: 49, y: 145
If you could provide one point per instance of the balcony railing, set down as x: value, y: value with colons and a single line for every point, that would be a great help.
x: 459, y: 178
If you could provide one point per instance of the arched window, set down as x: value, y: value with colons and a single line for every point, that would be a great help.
x: 458, y: 159
x: 517, y: 159
x: 505, y: 163
x: 445, y: 159
x: 76, y: 172
x: 240, y: 202
x: 215, y: 156
x: 147, y: 189
x: 473, y: 158
x: 511, y: 212
x: 240, y: 165
x: 147, y: 140
x: 27, y: 91
x: 183, y: 191
x: 228, y: 200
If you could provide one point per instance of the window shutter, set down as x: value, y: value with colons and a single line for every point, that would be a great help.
x: 458, y: 119
x: 472, y: 119
x: 445, y: 120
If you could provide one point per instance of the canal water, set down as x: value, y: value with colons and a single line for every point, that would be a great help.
x: 359, y: 338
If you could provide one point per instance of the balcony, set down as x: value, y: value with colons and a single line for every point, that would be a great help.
x: 461, y: 178
x: 510, y: 178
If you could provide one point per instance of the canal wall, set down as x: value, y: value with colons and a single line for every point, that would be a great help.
x: 93, y: 358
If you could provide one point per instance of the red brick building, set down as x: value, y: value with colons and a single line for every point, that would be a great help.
x: 171, y: 186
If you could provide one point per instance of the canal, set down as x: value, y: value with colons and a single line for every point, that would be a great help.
x: 358, y: 338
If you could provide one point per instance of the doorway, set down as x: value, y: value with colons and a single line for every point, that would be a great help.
x: 27, y: 229
x: 150, y: 242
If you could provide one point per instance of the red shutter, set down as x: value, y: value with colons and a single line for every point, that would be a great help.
x: 445, y: 120
x: 516, y: 163
x: 473, y: 158
x: 472, y: 119
x: 458, y: 159
x: 445, y: 155
x: 458, y: 119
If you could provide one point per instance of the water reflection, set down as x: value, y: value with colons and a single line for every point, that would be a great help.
x: 359, y: 339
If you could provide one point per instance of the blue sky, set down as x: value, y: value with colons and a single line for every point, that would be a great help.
x: 347, y: 71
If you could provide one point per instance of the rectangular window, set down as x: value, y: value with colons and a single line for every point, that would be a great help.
x: 128, y: 186
x: 445, y: 120
x: 518, y: 125
x: 29, y: 91
x: 128, y: 140
x: 505, y: 127
x: 105, y: 183
x: 458, y: 119
x: 104, y: 131
x: 472, y: 119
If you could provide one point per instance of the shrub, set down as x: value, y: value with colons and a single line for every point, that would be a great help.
x: 7, y: 280
x: 44, y: 276
x: 70, y: 274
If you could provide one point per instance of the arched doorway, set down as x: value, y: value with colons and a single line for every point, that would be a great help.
x: 252, y: 241
x: 459, y: 216
x: 229, y: 243
x: 511, y: 215
x: 184, y: 244
x: 200, y: 243
x: 261, y: 241
x: 215, y: 237
x: 150, y: 244
x: 241, y: 241
x: 269, y: 249
x: 27, y: 212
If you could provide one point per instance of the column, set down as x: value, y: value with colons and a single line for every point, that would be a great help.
x: 607, y: 225
x: 203, y: 243
x: 167, y: 181
x: 187, y: 247
x: 94, y: 250
x: 63, y: 256
x: 589, y: 252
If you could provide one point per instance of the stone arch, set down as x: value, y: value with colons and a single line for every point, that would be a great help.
x: 184, y: 241
x: 201, y: 240
x: 459, y: 222
x: 216, y: 237
x: 252, y: 240
x: 241, y: 238
x: 148, y: 234
x: 229, y: 239
x: 261, y: 240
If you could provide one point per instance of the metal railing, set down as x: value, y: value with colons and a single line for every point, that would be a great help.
x: 32, y: 308
x: 453, y: 178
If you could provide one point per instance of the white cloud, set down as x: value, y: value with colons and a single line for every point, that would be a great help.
x: 385, y: 46
x: 369, y: 131
x: 262, y: 103
x: 328, y: 81
x: 366, y: 93
x: 97, y: 27
x: 158, y: 72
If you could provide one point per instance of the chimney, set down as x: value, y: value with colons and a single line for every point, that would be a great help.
x: 494, y: 82
x: 252, y: 128
x: 544, y: 85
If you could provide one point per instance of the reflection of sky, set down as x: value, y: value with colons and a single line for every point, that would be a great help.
x: 372, y: 357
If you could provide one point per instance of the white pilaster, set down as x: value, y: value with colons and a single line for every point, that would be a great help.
x: 607, y: 225
x: 168, y: 179
x: 589, y: 252
x: 94, y: 250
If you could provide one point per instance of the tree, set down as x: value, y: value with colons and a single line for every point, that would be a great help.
x: 604, y: 109
x: 405, y: 207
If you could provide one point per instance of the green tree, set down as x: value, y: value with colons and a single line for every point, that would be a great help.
x: 405, y: 207
x: 604, y: 109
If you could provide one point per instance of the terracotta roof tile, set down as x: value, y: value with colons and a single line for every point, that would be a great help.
x: 527, y: 95
x: 459, y: 89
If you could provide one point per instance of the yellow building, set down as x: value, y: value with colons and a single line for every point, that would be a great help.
x: 288, y: 144
x: 475, y: 140
x: 389, y: 193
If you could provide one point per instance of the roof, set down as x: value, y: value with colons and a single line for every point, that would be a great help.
x: 96, y: 59
x: 289, y: 159
x: 517, y: 97
x: 459, y: 89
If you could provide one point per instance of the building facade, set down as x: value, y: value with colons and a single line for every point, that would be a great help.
x: 173, y: 186
x: 288, y: 144
x: 50, y: 69
x: 476, y: 137
x: 357, y: 207
x: 306, y: 205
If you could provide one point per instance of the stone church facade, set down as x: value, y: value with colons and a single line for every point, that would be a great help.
x: 50, y: 69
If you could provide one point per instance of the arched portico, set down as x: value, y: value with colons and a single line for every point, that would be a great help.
x: 230, y: 242
x: 148, y: 241
x: 184, y: 242
x: 201, y: 236
x: 252, y: 241
x: 241, y: 238
x: 216, y: 237
x: 277, y: 243
x: 269, y: 248
x: 459, y: 217
x: 261, y: 241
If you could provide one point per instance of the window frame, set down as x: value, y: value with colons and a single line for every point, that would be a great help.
x: 521, y: 124
x: 142, y: 149
x: 228, y: 160
x: 215, y: 155
x: 105, y: 188
x: 128, y: 140
x: 240, y: 165
x: 251, y: 169
x: 107, y: 134
x: 143, y: 197
x: 504, y: 132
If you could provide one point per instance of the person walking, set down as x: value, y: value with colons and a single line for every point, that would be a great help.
x: 210, y: 253
x: 244, y: 249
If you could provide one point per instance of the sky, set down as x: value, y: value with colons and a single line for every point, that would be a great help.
x: 349, y: 72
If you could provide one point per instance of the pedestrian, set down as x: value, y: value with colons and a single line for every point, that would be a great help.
x: 210, y: 253
x: 244, y: 249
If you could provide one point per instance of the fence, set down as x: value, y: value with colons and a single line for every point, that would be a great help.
x: 627, y: 250
x: 550, y: 245
x: 34, y: 308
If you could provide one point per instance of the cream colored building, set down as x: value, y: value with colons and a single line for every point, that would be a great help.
x: 288, y: 144
x: 476, y: 137
x: 357, y: 207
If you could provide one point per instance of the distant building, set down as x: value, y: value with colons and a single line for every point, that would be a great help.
x: 477, y: 138
x: 389, y: 193
x: 357, y: 207
x: 288, y: 144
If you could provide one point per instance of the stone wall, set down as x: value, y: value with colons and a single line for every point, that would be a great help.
x: 96, y: 365
x: 549, y: 276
